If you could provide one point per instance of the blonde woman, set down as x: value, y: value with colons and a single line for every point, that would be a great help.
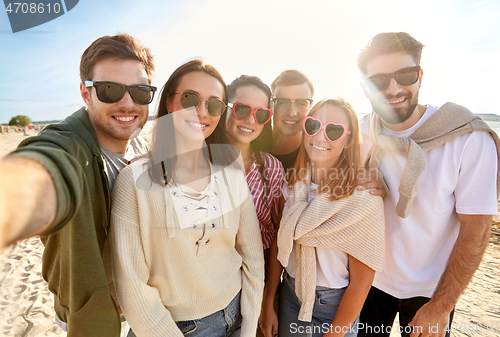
x: 330, y: 239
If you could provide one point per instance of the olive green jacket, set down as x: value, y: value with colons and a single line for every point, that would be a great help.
x: 72, y: 261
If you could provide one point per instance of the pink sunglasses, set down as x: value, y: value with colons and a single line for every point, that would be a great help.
x: 333, y: 131
x: 243, y: 111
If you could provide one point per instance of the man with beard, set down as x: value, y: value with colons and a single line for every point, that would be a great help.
x: 435, y: 238
x: 58, y: 183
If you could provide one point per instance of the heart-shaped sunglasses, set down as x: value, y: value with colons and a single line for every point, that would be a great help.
x: 333, y: 131
x: 243, y: 111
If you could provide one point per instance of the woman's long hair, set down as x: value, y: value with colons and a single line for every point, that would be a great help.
x: 342, y: 179
x: 163, y: 148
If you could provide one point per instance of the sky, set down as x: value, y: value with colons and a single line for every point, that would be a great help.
x: 39, y: 75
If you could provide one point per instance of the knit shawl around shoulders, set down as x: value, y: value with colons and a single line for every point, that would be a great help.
x: 448, y: 122
x: 354, y: 225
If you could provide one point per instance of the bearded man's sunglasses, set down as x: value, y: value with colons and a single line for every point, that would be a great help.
x: 405, y: 76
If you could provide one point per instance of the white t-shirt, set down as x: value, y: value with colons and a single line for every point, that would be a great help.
x: 332, y: 269
x: 460, y: 178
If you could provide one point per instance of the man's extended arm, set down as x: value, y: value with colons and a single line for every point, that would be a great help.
x: 28, y: 201
x: 462, y: 264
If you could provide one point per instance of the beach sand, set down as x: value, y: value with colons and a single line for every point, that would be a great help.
x: 26, y: 305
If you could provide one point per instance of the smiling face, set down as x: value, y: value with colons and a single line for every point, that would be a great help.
x: 321, y: 151
x: 195, y: 124
x: 289, y: 123
x: 245, y: 131
x: 396, y: 104
x: 114, y: 123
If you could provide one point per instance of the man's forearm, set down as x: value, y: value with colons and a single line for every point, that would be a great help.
x: 464, y: 260
x: 28, y: 201
x: 273, y: 274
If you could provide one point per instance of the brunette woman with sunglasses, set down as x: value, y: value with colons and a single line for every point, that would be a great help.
x: 330, y: 239
x: 248, y: 127
x: 187, y: 249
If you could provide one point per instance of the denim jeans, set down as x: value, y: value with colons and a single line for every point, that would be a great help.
x: 223, y: 323
x: 325, y: 306
x: 380, y: 309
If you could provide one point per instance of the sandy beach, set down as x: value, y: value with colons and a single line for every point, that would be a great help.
x: 27, y: 306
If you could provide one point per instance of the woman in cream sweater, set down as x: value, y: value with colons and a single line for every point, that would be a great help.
x: 187, y: 252
x: 331, y: 234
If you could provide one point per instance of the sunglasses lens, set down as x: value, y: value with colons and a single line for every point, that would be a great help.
x: 141, y: 94
x: 262, y: 116
x: 242, y: 111
x: 407, y: 76
x: 109, y: 92
x: 189, y: 100
x: 334, y: 132
x: 216, y: 107
x: 311, y: 126
x: 379, y: 82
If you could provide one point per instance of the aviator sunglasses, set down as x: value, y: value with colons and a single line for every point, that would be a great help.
x: 333, y: 131
x: 243, y: 111
x: 215, y: 106
x: 112, y: 92
x: 405, y: 76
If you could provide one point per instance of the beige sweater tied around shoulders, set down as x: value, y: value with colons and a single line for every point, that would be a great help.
x: 448, y: 122
x: 354, y: 225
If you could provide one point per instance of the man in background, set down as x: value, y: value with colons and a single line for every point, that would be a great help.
x: 292, y: 99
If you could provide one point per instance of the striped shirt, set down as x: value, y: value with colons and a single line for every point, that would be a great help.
x: 265, y: 206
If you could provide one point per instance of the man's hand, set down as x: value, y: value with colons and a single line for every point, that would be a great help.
x: 28, y: 200
x: 430, y: 321
x: 369, y: 179
x: 268, y: 321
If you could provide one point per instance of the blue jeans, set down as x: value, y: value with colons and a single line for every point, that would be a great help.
x: 325, y: 306
x: 223, y: 323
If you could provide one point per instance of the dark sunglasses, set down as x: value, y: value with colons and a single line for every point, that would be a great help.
x: 215, y: 106
x: 243, y: 111
x: 405, y: 76
x: 283, y: 104
x: 112, y: 92
x: 333, y: 131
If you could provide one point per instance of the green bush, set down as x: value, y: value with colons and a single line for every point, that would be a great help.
x: 20, y: 120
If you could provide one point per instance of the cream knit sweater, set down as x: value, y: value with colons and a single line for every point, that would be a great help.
x: 354, y: 225
x: 448, y: 122
x: 164, y: 273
